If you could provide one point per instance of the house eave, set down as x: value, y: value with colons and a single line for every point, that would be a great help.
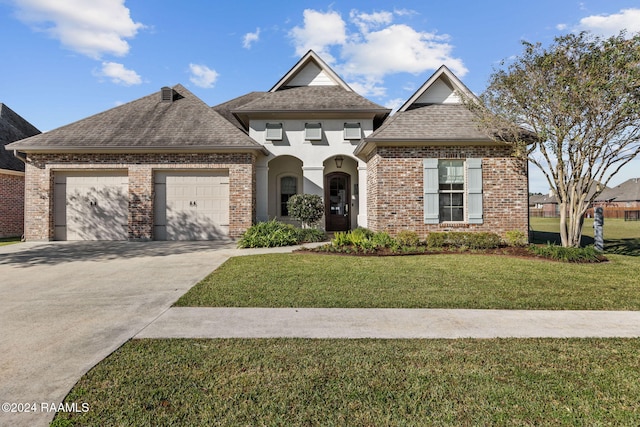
x: 366, y: 146
x: 146, y: 149
x: 11, y: 172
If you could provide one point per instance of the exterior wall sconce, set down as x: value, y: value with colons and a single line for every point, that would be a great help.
x: 339, y: 161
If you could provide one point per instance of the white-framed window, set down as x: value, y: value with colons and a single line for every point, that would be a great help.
x: 274, y: 132
x: 453, y: 191
x: 288, y: 187
x: 352, y: 131
x: 313, y: 131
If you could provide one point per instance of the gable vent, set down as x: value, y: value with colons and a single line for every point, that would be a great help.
x: 167, y: 94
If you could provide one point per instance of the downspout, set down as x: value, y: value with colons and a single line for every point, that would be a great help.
x: 23, y: 159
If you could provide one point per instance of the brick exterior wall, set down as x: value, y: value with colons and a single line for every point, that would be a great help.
x: 11, y: 204
x: 39, y: 186
x: 396, y: 193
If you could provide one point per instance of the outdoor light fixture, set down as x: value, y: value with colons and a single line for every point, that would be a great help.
x: 339, y: 161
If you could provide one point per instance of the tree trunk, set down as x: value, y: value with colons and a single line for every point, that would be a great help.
x: 571, y: 222
x: 564, y: 231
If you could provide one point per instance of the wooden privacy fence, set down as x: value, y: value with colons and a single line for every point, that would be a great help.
x: 628, y: 214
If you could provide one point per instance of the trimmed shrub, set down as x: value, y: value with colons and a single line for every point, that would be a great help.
x: 464, y: 240
x: 515, y: 238
x: 307, y: 208
x: 436, y: 239
x: 408, y: 238
x: 269, y: 234
x: 307, y: 235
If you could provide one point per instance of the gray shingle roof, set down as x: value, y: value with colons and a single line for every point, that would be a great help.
x: 147, y: 123
x: 438, y: 122
x: 628, y: 191
x: 311, y: 98
x: 225, y: 109
x: 12, y: 128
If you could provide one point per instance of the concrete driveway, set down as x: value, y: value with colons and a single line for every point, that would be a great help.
x: 64, y: 306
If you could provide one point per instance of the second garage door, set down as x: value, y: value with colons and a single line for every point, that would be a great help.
x: 191, y: 205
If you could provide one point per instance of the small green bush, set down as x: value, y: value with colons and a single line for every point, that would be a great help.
x: 516, y: 238
x: 464, y: 240
x: 307, y: 235
x: 383, y: 240
x: 269, y: 234
x: 408, y: 238
x: 436, y: 239
x: 560, y: 253
x: 340, y: 239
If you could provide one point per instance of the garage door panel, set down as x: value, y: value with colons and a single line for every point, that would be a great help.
x: 195, y: 205
x: 91, y: 206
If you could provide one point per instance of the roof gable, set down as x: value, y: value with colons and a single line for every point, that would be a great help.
x: 310, y: 70
x: 12, y: 128
x: 443, y: 87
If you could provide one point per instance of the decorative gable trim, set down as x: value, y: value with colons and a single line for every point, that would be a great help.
x: 444, y: 75
x: 309, y: 58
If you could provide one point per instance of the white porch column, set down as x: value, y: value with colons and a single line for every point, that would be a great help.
x: 262, y: 193
x: 362, y: 194
x: 313, y: 180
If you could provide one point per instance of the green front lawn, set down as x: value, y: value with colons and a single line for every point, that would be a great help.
x: 421, y: 281
x: 363, y: 383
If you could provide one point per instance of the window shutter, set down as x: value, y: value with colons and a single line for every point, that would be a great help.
x: 313, y: 131
x: 431, y: 207
x: 274, y: 131
x: 474, y: 190
x: 352, y: 131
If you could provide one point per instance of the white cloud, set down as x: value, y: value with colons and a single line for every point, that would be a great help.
x: 320, y: 31
x: 202, y: 76
x: 92, y: 28
x: 561, y: 27
x: 119, y: 74
x: 250, y: 38
x: 609, y: 25
x: 365, y: 21
x: 375, y: 47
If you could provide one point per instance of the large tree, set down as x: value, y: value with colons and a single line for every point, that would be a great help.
x: 581, y: 98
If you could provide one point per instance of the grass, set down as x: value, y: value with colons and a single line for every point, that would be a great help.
x: 621, y: 237
x: 363, y: 383
x: 427, y: 281
x: 9, y: 240
x: 421, y: 281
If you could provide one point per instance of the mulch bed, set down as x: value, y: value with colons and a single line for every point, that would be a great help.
x: 511, y: 251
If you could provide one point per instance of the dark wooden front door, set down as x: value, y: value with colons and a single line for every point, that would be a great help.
x: 337, y: 201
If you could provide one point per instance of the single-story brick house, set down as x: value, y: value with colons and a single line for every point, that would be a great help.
x: 625, y: 195
x: 12, y: 128
x: 167, y: 166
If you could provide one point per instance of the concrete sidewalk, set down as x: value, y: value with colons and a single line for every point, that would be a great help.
x: 187, y: 322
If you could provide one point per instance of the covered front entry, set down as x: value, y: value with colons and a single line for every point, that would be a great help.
x: 337, y: 201
x: 91, y: 205
x: 191, y: 205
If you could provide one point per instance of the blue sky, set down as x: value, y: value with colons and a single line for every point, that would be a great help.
x: 64, y: 60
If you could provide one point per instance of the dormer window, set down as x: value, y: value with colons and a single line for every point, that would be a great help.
x: 313, y: 131
x: 274, y: 132
x: 352, y: 131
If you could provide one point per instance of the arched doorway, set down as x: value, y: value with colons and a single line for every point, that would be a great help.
x: 337, y: 201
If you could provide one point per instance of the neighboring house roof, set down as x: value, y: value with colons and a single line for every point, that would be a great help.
x: 434, y: 114
x: 12, y: 128
x: 173, y: 119
x: 628, y: 191
x: 542, y: 199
